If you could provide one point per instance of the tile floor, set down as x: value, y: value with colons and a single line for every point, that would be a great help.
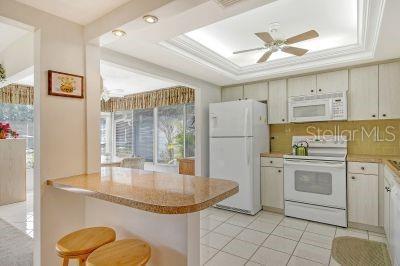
x: 20, y: 214
x: 231, y: 239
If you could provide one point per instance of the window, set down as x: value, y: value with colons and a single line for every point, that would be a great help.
x: 105, y: 137
x: 20, y: 118
x: 123, y: 134
x: 143, y: 124
x: 189, y: 131
x: 134, y: 133
x: 170, y: 133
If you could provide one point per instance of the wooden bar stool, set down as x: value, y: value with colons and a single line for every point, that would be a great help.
x: 127, y: 252
x: 79, y: 244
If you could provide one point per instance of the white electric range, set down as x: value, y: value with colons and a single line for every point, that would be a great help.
x: 315, y: 185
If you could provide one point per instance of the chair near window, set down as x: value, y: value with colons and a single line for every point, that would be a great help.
x: 134, y: 162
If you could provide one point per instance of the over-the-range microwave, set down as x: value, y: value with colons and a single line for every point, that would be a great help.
x: 319, y: 107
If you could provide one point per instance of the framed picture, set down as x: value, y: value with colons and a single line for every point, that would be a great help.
x: 64, y: 84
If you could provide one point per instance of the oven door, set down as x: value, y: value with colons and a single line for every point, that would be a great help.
x: 315, y: 182
x: 311, y: 110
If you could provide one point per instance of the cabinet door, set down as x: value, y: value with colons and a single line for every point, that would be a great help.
x: 306, y: 85
x: 363, y: 95
x: 336, y: 81
x: 277, y: 102
x: 272, y: 187
x: 232, y: 93
x: 363, y: 199
x: 256, y: 91
x: 386, y: 208
x: 389, y: 90
x: 394, y: 232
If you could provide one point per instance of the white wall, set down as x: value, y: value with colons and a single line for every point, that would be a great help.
x: 17, y: 58
x: 205, y: 94
x: 60, y: 126
x: 67, y: 129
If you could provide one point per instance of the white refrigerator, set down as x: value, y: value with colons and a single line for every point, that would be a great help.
x: 238, y: 134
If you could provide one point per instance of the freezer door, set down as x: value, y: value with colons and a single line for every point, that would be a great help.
x: 231, y: 158
x: 231, y: 119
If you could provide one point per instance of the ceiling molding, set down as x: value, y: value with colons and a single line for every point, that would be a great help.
x: 369, y: 21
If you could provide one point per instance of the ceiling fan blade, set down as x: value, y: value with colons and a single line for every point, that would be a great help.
x: 265, y: 36
x: 265, y: 57
x: 294, y: 50
x: 302, y: 37
x: 249, y: 50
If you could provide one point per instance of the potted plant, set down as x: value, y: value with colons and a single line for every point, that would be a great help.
x: 6, y: 131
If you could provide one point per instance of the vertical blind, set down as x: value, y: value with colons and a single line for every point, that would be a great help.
x: 134, y: 132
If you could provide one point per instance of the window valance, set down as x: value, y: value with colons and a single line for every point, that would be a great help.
x: 17, y: 94
x: 150, y: 99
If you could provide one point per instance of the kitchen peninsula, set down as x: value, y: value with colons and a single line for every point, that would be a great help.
x: 160, y: 208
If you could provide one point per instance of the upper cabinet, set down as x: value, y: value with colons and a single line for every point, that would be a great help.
x: 373, y: 91
x: 364, y: 93
x: 256, y: 91
x: 389, y: 90
x: 336, y: 81
x: 300, y: 86
x: 232, y: 93
x: 277, y: 102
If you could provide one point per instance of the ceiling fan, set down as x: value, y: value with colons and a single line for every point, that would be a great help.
x: 273, y: 45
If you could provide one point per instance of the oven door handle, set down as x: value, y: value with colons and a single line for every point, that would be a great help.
x: 309, y: 163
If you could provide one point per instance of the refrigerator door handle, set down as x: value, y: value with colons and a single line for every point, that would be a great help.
x: 246, y: 116
x: 246, y: 119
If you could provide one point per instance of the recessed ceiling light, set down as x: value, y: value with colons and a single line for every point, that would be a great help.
x: 119, y: 33
x: 150, y: 19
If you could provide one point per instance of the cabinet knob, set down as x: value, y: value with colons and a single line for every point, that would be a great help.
x: 279, y: 171
x: 270, y: 161
x: 353, y: 177
x: 388, y: 189
x: 373, y: 115
x: 384, y: 115
x: 362, y: 168
x: 312, y: 90
x: 283, y: 119
x: 320, y: 90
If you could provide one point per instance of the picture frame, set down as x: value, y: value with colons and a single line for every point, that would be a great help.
x: 65, y: 84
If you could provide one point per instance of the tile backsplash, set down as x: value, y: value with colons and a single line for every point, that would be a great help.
x: 380, y: 137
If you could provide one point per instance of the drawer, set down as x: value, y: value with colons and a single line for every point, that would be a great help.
x: 363, y: 168
x: 270, y: 161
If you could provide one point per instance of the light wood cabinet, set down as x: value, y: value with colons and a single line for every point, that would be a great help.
x: 363, y: 95
x: 389, y: 90
x: 232, y: 93
x: 363, y: 199
x: 277, y: 102
x: 187, y: 166
x: 306, y: 85
x: 336, y: 81
x: 272, y: 187
x: 256, y: 91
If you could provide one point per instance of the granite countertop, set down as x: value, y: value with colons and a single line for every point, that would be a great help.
x: 366, y: 158
x: 149, y: 191
x: 273, y: 154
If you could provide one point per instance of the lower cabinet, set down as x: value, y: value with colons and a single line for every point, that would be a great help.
x: 391, y: 215
x: 363, y: 198
x: 272, y: 187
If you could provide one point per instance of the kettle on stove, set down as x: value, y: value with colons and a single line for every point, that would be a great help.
x: 299, y: 148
